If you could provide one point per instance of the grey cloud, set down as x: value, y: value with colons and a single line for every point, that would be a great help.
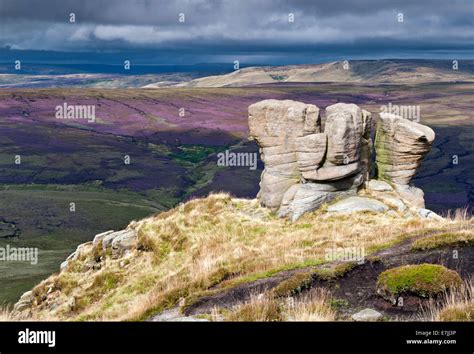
x: 218, y: 24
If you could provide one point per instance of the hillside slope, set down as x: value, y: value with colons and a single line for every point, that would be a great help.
x: 358, y: 71
x: 208, y: 246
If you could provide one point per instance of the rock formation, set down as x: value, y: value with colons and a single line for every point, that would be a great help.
x: 118, y: 242
x: 277, y: 125
x: 306, y: 166
x: 401, y: 144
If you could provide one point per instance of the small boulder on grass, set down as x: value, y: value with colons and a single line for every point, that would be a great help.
x: 424, y: 280
x: 367, y: 315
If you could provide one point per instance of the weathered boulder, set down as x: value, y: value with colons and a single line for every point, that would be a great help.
x: 276, y: 125
x: 392, y: 201
x: 25, y: 302
x: 344, y: 128
x: 294, y: 150
x: 412, y: 194
x: 400, y: 145
x: 117, y: 241
x: 124, y: 241
x: 355, y: 204
x: 99, y: 237
x: 367, y: 315
x: 287, y: 200
x: 305, y: 167
x: 332, y: 173
x: 304, y: 197
x: 308, y: 197
x: 310, y: 151
x: 379, y: 186
x: 428, y: 214
x: 109, y: 238
x: 74, y: 255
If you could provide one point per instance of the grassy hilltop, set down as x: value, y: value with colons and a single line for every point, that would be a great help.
x: 224, y: 258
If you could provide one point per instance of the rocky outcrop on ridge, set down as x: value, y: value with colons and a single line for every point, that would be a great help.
x: 401, y: 145
x: 308, y: 162
x: 140, y: 281
x: 115, y: 242
x: 306, y: 165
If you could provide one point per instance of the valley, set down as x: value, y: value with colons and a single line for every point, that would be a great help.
x: 173, y: 157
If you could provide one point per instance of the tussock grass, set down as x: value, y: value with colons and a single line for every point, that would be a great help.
x: 459, y: 214
x: 314, y: 306
x: 450, y: 239
x: 6, y: 314
x: 261, y: 308
x: 456, y: 305
x: 215, y: 242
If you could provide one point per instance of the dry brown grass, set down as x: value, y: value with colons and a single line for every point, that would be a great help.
x: 460, y: 214
x: 449, y: 239
x: 218, y: 240
x: 456, y: 305
x: 313, y: 307
x: 260, y: 308
x: 5, y: 314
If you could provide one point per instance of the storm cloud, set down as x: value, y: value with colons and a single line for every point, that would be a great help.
x: 255, y: 28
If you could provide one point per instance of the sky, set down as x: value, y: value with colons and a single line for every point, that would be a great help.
x: 256, y: 31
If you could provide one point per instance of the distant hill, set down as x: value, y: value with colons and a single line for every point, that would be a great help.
x: 361, y: 71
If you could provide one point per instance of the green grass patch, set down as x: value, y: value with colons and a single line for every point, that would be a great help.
x: 449, y: 239
x: 269, y: 273
x: 333, y: 272
x: 423, y: 280
x: 106, y: 281
x: 193, y: 153
x: 297, y: 283
x: 337, y: 304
